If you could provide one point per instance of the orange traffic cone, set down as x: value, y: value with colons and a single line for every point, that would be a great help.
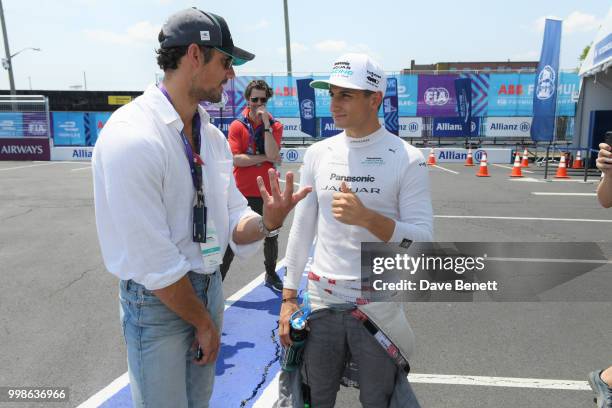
x: 431, y: 160
x: 516, y: 170
x: 469, y: 161
x: 525, y: 161
x: 483, y: 170
x: 562, y: 170
x: 577, y: 161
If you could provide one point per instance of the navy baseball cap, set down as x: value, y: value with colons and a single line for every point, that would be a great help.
x: 192, y: 25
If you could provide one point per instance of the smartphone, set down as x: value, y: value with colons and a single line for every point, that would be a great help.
x: 608, y: 138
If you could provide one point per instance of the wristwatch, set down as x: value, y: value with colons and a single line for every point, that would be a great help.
x: 267, y: 130
x: 266, y: 232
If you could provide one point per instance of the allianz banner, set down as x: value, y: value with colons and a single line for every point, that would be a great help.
x: 453, y: 127
x: 518, y: 126
x: 327, y: 127
x: 411, y: 127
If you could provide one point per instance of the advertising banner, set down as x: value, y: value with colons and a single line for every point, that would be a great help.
x: 97, y: 120
x: 547, y: 78
x: 407, y: 93
x: 390, y: 107
x: 35, y: 124
x: 294, y: 155
x: 457, y: 155
x: 436, y: 95
x: 454, y: 127
x: 307, y: 107
x: 411, y: 127
x: 69, y: 129
x: 11, y: 124
x: 292, y: 128
x: 223, y: 124
x: 327, y: 127
x: 463, y: 89
x: 518, y: 126
x: 25, y: 149
x: 71, y: 153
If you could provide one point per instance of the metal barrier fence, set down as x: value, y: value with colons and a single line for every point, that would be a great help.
x: 24, y: 116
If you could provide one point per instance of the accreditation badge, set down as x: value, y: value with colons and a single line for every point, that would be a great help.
x: 211, y: 249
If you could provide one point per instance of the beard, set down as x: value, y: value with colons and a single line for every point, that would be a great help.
x: 198, y: 93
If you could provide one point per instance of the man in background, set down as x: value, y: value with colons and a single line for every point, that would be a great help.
x: 255, y: 139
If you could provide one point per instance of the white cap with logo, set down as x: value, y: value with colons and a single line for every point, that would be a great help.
x: 355, y: 71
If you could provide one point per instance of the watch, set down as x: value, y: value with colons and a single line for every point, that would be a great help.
x: 266, y: 232
x: 267, y: 130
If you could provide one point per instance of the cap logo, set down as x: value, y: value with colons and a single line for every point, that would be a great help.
x: 342, y: 68
x: 373, y: 78
x: 204, y: 36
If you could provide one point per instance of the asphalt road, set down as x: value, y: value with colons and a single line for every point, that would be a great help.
x: 59, y: 307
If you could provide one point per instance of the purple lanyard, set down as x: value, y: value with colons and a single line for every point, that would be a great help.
x: 196, y: 175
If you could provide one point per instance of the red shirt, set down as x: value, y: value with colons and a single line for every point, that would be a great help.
x: 238, y: 138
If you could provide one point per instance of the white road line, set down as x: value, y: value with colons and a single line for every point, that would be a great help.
x: 120, y: 382
x: 270, y: 393
x: 28, y: 166
x: 541, y: 193
x: 81, y: 168
x: 521, y: 218
x: 510, y: 167
x: 444, y: 168
x: 511, y: 382
x: 111, y: 389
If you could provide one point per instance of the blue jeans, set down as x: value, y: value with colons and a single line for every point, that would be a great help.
x: 159, y: 346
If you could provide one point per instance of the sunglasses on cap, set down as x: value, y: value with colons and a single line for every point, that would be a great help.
x: 262, y: 99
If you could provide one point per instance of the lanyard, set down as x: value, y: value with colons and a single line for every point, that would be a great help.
x: 194, y: 159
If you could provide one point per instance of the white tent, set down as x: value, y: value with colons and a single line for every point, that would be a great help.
x: 595, y: 90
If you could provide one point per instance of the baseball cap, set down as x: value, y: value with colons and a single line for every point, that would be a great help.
x: 355, y: 71
x: 196, y: 26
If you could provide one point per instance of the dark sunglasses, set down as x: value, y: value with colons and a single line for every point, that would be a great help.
x: 262, y: 100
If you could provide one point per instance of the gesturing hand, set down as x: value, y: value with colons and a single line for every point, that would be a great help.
x: 277, y: 205
x: 347, y: 207
x: 604, y: 158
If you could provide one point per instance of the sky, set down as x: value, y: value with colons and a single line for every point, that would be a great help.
x: 111, y: 44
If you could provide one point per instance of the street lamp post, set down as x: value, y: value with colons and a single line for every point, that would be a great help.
x: 7, y: 62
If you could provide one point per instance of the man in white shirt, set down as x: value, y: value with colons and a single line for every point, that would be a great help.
x: 368, y: 185
x: 167, y: 207
x: 601, y: 380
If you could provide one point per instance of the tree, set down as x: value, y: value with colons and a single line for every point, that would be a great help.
x: 583, y: 55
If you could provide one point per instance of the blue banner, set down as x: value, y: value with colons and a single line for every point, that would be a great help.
x: 603, y: 49
x: 97, y: 120
x: 69, y: 129
x: 407, y: 92
x: 11, y: 124
x: 547, y: 77
x: 327, y: 127
x: 223, y: 124
x: 454, y: 127
x: 307, y: 107
x: 463, y: 90
x: 390, y: 107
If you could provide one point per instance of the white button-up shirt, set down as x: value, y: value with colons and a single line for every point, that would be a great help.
x: 144, y: 193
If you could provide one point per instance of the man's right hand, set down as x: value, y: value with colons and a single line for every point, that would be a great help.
x: 604, y: 158
x: 207, y: 338
x: 287, y: 309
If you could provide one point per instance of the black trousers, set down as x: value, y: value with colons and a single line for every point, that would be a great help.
x: 270, y: 244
